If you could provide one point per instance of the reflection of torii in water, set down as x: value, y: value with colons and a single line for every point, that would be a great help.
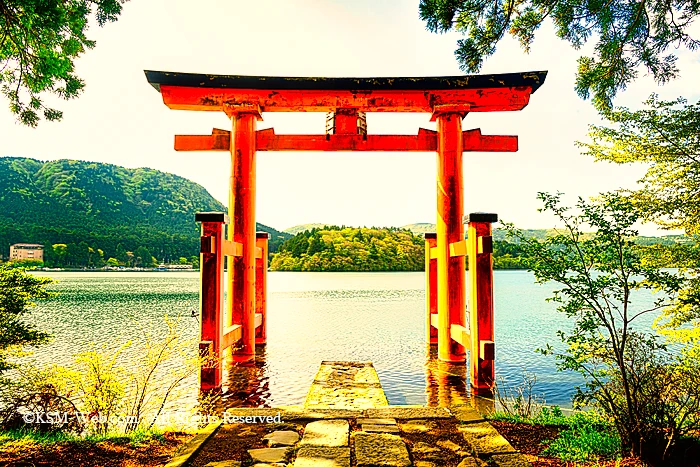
x: 448, y: 99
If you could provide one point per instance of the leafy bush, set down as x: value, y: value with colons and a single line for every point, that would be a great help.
x: 100, y: 392
x: 650, y: 396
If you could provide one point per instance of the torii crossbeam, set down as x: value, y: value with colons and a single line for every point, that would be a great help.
x: 448, y: 99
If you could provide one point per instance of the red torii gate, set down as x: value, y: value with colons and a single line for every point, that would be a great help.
x: 448, y: 99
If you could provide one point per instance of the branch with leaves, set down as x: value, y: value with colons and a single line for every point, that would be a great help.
x: 630, y: 35
x: 38, y: 45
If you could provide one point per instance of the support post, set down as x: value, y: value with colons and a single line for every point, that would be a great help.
x: 261, y: 241
x: 211, y: 297
x: 450, y: 268
x: 431, y: 334
x: 242, y: 229
x: 480, y: 241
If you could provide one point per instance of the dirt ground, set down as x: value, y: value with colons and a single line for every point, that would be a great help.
x: 91, y: 454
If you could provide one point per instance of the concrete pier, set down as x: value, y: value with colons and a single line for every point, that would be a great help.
x: 346, y: 385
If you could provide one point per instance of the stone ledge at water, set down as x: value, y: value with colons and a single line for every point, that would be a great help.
x: 346, y: 385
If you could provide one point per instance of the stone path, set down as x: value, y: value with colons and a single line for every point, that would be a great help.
x: 346, y: 422
x: 391, y: 436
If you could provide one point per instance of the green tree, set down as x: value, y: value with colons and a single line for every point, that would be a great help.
x: 630, y: 35
x: 40, y: 41
x: 18, y: 290
x: 144, y: 257
x: 629, y: 374
x: 121, y: 255
x: 663, y: 136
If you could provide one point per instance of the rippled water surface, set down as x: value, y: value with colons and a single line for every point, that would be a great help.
x: 377, y: 317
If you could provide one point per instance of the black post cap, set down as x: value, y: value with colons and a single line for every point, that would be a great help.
x: 430, y: 235
x: 211, y: 217
x: 480, y: 217
x: 262, y: 235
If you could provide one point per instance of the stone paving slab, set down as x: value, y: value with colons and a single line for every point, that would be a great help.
x: 326, y: 433
x: 293, y: 413
x: 230, y: 463
x: 485, y: 439
x: 447, y: 444
x: 345, y: 397
x: 309, y: 456
x: 472, y: 462
x: 270, y: 455
x: 407, y: 413
x: 380, y: 450
x: 376, y: 421
x: 380, y: 428
x: 466, y: 414
x: 510, y: 460
x: 417, y: 426
x: 424, y: 448
x: 281, y: 438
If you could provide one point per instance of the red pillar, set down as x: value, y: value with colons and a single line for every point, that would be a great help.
x: 211, y: 297
x: 431, y: 334
x: 261, y: 241
x: 242, y: 228
x: 450, y: 269
x: 481, y: 300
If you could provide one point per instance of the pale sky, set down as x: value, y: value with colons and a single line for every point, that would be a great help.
x: 120, y: 118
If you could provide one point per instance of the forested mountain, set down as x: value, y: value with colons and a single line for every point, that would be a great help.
x: 92, y: 206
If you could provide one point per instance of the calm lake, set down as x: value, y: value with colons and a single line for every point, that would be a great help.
x: 377, y: 317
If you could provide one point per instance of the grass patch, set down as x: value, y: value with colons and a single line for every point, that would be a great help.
x: 15, y: 438
x: 586, y: 436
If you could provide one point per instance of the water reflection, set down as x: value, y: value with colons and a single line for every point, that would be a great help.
x: 247, y: 384
x: 447, y: 384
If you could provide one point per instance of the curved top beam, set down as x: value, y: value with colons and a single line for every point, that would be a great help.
x: 533, y: 79
x: 475, y: 93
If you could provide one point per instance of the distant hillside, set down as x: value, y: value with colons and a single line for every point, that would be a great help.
x: 421, y: 228
x: 292, y: 231
x: 103, y: 206
x: 540, y: 234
